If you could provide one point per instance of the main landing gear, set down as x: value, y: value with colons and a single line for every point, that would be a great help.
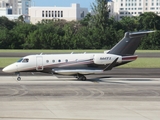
x: 80, y: 77
x: 18, y: 77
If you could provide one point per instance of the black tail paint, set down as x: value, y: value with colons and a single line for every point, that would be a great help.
x: 129, y: 44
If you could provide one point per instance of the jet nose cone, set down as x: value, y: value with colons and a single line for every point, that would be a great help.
x: 10, y: 69
x: 6, y: 70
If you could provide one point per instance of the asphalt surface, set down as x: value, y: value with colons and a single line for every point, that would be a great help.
x: 52, y: 98
x: 114, y: 73
x: 51, y: 88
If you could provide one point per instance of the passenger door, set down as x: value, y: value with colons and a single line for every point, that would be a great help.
x: 39, y: 63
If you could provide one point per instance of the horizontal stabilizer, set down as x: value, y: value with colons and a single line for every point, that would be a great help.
x: 110, y: 66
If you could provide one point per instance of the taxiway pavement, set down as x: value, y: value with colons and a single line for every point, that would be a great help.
x: 52, y: 98
x: 114, y: 73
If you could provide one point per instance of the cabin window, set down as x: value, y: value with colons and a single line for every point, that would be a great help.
x: 53, y: 61
x: 47, y: 61
x: 59, y: 60
x: 66, y: 60
x: 25, y: 60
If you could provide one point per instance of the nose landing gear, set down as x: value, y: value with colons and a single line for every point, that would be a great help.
x: 18, y: 77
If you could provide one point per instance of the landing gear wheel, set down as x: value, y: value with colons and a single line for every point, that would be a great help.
x: 84, y: 78
x: 19, y: 78
x: 81, y: 77
x: 76, y: 76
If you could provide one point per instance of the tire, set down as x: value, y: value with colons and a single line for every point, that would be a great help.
x: 84, y: 78
x: 19, y: 78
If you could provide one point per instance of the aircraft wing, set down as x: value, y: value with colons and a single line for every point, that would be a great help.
x: 84, y: 71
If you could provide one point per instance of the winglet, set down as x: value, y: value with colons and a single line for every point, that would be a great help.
x: 110, y: 66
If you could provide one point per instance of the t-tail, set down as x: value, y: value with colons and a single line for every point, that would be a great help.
x: 128, y: 45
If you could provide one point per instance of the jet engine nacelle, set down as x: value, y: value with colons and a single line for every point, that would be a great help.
x: 103, y: 59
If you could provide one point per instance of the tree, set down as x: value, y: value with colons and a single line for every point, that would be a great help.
x: 4, y: 38
x: 19, y: 35
x: 151, y: 41
x: 101, y: 14
x: 21, y: 19
x: 114, y: 24
x: 86, y: 20
x: 5, y: 22
x: 149, y: 21
x: 129, y: 23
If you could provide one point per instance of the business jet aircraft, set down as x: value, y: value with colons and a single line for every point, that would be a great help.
x: 80, y: 65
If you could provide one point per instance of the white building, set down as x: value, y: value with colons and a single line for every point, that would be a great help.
x: 13, y: 4
x: 23, y: 6
x: 123, y: 8
x: 111, y: 8
x: 3, y: 3
x: 75, y: 12
x: 18, y: 6
x: 12, y: 9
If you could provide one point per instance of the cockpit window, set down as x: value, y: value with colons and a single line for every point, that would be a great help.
x: 20, y: 60
x: 26, y: 60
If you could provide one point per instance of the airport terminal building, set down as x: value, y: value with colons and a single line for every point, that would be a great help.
x: 75, y: 12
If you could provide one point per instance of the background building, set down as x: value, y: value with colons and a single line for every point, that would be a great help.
x: 130, y: 8
x: 15, y: 8
x: 75, y: 12
x: 23, y: 6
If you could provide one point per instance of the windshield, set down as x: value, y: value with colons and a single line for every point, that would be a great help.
x: 25, y: 60
x: 20, y: 60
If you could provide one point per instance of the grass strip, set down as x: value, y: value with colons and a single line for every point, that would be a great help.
x: 68, y: 51
x: 143, y: 63
x: 139, y: 63
x: 50, y: 51
x: 4, y: 61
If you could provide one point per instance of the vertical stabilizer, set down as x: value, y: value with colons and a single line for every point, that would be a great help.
x: 129, y: 44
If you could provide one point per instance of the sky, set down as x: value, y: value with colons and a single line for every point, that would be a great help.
x: 63, y: 3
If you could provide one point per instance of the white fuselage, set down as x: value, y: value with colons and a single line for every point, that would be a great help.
x: 52, y: 61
